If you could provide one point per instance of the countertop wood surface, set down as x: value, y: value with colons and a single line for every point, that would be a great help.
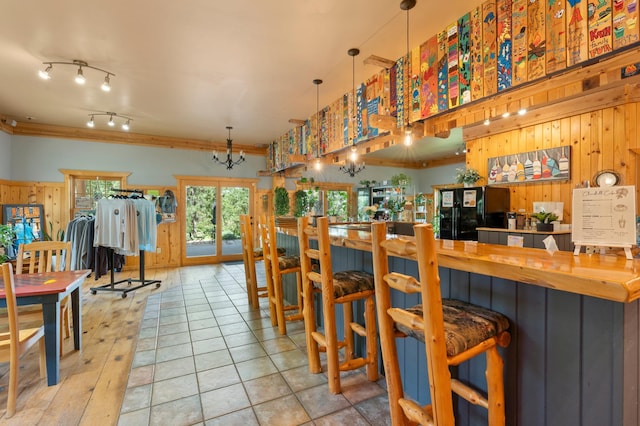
x: 610, y: 277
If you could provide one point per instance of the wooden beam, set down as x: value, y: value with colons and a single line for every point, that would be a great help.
x: 94, y: 135
x: 379, y: 61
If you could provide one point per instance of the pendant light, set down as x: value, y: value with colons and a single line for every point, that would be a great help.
x: 408, y: 134
x: 317, y: 164
x: 350, y: 167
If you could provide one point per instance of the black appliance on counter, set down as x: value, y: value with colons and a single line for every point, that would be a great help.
x: 462, y: 210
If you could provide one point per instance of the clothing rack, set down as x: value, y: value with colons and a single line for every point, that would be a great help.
x: 111, y: 286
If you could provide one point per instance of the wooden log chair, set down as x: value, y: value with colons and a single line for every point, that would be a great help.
x: 18, y: 340
x: 453, y: 332
x: 276, y: 266
x: 343, y: 288
x: 47, y: 256
x: 251, y: 255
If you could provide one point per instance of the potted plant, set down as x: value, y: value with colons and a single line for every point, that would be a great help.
x: 468, y: 177
x: 281, y: 201
x: 301, y: 203
x: 6, y: 239
x: 400, y: 180
x: 544, y: 220
x: 420, y: 204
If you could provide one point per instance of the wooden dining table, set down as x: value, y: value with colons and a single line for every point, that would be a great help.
x: 48, y: 289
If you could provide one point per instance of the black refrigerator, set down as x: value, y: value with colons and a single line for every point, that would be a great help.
x: 462, y: 210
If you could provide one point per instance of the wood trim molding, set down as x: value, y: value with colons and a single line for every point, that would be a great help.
x: 93, y: 135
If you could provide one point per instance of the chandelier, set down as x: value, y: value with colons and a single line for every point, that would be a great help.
x: 351, y: 167
x: 229, y: 161
x: 80, y: 78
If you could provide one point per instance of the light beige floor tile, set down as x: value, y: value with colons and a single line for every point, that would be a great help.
x: 172, y: 389
x: 247, y: 352
x: 289, y: 359
x: 319, y: 402
x: 300, y: 378
x: 181, y: 412
x: 223, y: 401
x: 141, y: 375
x: 174, y: 368
x: 285, y: 411
x: 211, y: 360
x: 348, y: 416
x: 136, y: 398
x: 255, y: 368
x: 216, y: 378
x: 266, y: 388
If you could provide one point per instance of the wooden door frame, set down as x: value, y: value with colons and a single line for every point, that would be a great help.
x: 218, y: 182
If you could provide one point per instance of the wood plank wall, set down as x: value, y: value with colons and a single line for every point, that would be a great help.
x: 599, y: 140
x: 53, y: 197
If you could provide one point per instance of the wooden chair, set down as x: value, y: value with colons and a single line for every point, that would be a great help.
x: 17, y: 340
x: 453, y: 332
x: 342, y: 288
x: 251, y: 255
x: 47, y: 256
x: 276, y: 266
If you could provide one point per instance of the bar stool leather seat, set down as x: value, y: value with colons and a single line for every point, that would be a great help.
x: 349, y: 282
x: 465, y: 325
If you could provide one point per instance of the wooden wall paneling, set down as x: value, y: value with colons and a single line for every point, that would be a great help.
x: 596, y: 142
x: 556, y: 138
x: 585, y: 147
x: 607, y: 148
x: 619, y: 140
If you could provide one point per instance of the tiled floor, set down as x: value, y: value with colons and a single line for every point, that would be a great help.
x: 205, y: 357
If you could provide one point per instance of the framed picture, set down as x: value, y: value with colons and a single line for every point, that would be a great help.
x: 534, y: 166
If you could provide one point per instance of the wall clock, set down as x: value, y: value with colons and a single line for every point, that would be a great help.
x: 605, y: 178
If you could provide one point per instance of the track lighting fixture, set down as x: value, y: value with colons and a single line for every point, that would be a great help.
x: 111, y: 123
x: 80, y: 78
x: 350, y: 167
x: 229, y: 161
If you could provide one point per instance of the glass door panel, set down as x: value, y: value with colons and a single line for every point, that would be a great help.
x: 200, y: 221
x: 234, y: 202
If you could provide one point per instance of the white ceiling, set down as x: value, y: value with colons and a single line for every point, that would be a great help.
x: 189, y: 68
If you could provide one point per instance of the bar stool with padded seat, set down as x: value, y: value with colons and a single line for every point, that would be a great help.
x: 251, y: 255
x: 453, y: 332
x: 277, y: 265
x: 343, y: 288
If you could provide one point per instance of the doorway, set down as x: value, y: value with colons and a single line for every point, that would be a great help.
x: 211, y: 218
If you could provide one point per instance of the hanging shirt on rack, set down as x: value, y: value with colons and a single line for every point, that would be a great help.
x: 147, y: 234
x: 116, y: 226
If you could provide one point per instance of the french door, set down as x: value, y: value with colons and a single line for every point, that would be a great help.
x: 210, y: 212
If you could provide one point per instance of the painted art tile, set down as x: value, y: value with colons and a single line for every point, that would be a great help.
x: 477, y: 65
x: 505, y: 73
x: 556, y: 55
x: 577, y: 29
x: 537, y: 39
x: 443, y: 77
x: 519, y: 44
x: 490, y: 48
x: 625, y: 23
x: 600, y: 28
x: 452, y: 58
x: 429, y: 77
x: 464, y: 59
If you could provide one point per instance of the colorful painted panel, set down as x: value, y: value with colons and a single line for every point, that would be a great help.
x: 443, y: 76
x: 414, y: 78
x: 536, y: 35
x: 504, y: 44
x: 372, y: 108
x: 400, y: 84
x: 361, y: 109
x: 393, y: 91
x: 385, y: 101
x: 429, y: 77
x: 464, y: 59
x: 452, y: 58
x: 346, y: 113
x: 600, y: 28
x: 625, y: 23
x: 477, y: 66
x: 577, y: 27
x: 556, y: 55
x: 490, y: 52
x: 519, y: 44
x: 534, y: 166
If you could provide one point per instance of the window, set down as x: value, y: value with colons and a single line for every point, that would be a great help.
x: 87, y: 187
x: 330, y: 199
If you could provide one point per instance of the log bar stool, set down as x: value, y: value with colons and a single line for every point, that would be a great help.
x: 251, y: 255
x: 276, y: 266
x: 453, y: 331
x: 337, y: 288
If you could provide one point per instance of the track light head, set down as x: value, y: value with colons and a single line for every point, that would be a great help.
x: 106, y: 85
x: 90, y: 123
x: 80, y: 76
x: 125, y: 125
x: 111, y: 123
x: 44, y: 74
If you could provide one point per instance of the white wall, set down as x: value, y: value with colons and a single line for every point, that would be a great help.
x: 39, y: 159
x: 5, y: 155
x: 438, y: 176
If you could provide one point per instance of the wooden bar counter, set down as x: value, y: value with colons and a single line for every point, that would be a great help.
x: 574, y: 356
